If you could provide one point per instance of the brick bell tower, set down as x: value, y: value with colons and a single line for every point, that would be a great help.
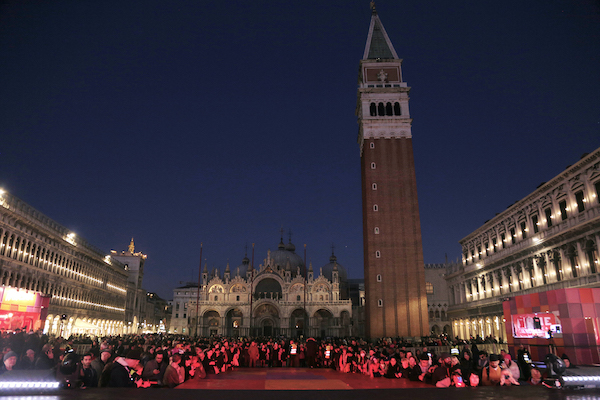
x: 396, y: 301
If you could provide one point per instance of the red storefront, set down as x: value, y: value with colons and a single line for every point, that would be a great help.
x: 22, y: 309
x: 567, y: 319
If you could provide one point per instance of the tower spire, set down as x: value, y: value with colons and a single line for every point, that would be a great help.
x: 131, y: 247
x: 379, y: 46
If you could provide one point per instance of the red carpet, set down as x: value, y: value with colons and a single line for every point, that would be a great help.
x: 295, y: 379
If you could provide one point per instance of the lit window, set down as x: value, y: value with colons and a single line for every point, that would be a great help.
x: 548, y: 213
x: 377, y: 254
x: 535, y: 223
x: 563, y: 209
x: 429, y: 287
x: 373, y: 166
x: 378, y: 277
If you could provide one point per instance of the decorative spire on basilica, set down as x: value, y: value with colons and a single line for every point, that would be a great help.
x: 131, y: 247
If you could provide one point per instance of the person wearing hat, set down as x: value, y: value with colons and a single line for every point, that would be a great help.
x: 492, y: 374
x: 512, y: 366
x: 120, y: 375
x: 8, y: 362
x: 440, y: 377
x: 100, y: 362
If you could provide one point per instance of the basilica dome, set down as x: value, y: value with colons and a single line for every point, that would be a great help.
x: 285, y: 253
x: 242, y: 269
x: 327, y: 270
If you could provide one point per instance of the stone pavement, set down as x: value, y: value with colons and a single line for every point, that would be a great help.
x: 306, y: 384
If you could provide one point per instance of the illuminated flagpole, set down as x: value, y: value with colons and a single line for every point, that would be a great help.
x: 198, y: 292
x: 305, y: 282
x: 251, y: 288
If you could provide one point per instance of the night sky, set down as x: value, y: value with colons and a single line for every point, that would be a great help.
x: 181, y: 122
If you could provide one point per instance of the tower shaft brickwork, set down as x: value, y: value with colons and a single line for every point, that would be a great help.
x: 396, y: 301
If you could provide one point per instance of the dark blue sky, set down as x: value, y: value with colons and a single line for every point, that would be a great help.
x: 180, y: 122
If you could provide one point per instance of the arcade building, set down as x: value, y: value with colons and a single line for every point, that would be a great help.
x: 531, y: 273
x: 51, y: 279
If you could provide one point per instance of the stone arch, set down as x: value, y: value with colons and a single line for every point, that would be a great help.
x: 323, y: 322
x: 266, y: 317
x: 212, y: 322
x: 345, y: 322
x: 298, y: 321
x: 268, y: 288
x: 234, y: 320
x: 435, y: 330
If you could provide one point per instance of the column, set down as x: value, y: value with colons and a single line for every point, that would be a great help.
x: 583, y: 269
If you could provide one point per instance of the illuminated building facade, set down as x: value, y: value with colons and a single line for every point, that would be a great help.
x: 77, y: 288
x: 280, y: 297
x: 135, y: 309
x: 396, y: 303
x: 547, y: 241
x: 437, y: 298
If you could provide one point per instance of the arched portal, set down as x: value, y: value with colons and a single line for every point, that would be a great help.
x: 266, y: 317
x: 324, y: 323
x: 298, y: 324
x: 211, y: 323
x: 345, y: 324
x: 234, y: 322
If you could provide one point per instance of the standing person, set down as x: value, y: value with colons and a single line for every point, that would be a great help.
x: 89, y: 376
x: 253, y: 354
x: 311, y: 352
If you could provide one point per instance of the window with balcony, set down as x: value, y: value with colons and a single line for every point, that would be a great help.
x: 548, y: 213
x: 535, y: 222
x: 580, y: 201
x: 523, y: 230
x: 563, y: 209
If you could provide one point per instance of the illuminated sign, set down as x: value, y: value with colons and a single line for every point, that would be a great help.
x: 18, y: 297
x: 537, y: 325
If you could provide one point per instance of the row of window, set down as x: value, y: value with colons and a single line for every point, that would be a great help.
x: 20, y: 249
x: 549, y: 220
x: 388, y: 109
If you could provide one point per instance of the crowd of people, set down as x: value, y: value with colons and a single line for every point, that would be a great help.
x: 158, y: 360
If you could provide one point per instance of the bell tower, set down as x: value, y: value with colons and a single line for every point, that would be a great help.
x: 396, y: 301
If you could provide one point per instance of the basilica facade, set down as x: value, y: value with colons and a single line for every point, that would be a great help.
x: 279, y: 297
